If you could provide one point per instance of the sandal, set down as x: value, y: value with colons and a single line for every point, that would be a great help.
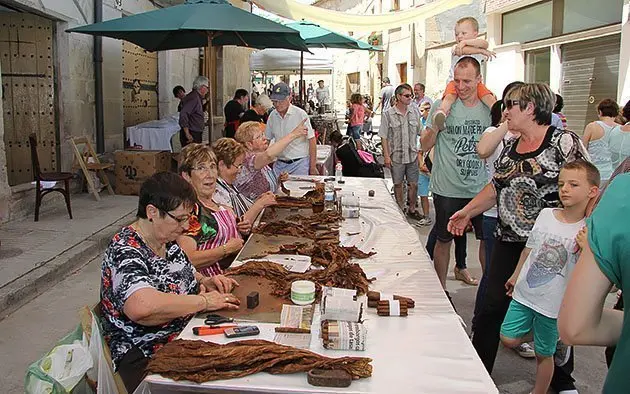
x: 469, y: 280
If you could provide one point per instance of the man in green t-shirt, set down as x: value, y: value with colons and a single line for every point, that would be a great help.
x: 604, y: 261
x: 458, y: 173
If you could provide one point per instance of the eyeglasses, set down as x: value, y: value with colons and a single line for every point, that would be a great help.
x: 204, y: 168
x: 407, y: 95
x: 509, y: 103
x: 238, y: 166
x: 182, y: 220
x: 424, y: 109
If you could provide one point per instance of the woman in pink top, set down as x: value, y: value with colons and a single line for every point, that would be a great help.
x: 256, y: 177
x: 357, y: 114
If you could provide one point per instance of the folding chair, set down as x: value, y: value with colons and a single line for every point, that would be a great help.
x: 87, y: 160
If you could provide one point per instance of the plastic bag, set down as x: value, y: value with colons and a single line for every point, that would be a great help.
x: 69, y: 365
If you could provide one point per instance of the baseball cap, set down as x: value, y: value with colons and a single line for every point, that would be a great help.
x: 280, y: 91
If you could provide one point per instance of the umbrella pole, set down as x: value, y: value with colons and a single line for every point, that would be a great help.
x: 302, y: 97
x: 210, y: 93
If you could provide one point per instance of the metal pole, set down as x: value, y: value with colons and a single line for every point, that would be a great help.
x: 210, y: 93
x: 302, y: 99
x: 98, y: 81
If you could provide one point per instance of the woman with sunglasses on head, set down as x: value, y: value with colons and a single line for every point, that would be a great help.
x: 149, y: 288
x: 525, y: 181
x: 213, y: 237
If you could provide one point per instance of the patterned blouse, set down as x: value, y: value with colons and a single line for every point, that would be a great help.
x: 130, y: 265
x: 527, y: 183
x: 252, y: 182
x: 211, y: 229
x: 229, y: 196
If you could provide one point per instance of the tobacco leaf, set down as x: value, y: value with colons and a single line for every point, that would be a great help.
x: 201, y: 361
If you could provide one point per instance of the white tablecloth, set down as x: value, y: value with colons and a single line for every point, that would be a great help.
x: 154, y: 134
x: 425, y: 352
x: 325, y: 160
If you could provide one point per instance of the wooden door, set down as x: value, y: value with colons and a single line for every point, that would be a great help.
x: 139, y: 84
x: 28, y: 93
x: 402, y: 72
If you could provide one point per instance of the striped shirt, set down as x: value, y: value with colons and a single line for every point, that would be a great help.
x: 401, y: 131
x: 229, y: 196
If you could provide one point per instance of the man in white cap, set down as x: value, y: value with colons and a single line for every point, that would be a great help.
x: 299, y: 157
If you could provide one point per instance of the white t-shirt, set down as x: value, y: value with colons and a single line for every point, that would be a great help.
x: 545, y: 274
x: 480, y: 58
x: 278, y: 127
x: 489, y: 161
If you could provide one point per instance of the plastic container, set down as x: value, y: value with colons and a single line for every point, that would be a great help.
x: 303, y: 292
x: 339, y: 172
x: 329, y: 195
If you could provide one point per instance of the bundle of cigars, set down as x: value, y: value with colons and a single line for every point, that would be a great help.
x: 392, y: 308
x: 343, y: 335
x: 374, y: 297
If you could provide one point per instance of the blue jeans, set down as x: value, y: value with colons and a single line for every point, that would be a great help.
x: 460, y: 248
x: 489, y: 225
x: 299, y: 167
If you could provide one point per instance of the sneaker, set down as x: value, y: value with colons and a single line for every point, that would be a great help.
x: 425, y: 221
x: 439, y: 120
x: 562, y: 354
x: 525, y: 350
x: 415, y: 215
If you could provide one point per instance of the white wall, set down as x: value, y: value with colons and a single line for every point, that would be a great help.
x: 623, y: 88
x: 508, y: 66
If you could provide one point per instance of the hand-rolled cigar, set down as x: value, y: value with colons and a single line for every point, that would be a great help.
x: 343, y: 335
x: 375, y: 296
x: 392, y: 308
x: 293, y: 330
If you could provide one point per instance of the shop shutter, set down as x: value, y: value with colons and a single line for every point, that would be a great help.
x: 590, y: 70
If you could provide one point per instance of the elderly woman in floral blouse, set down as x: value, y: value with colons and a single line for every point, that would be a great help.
x: 149, y: 288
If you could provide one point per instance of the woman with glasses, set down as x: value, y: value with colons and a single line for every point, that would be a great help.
x: 230, y: 161
x: 525, y: 181
x: 149, y: 288
x: 256, y: 177
x: 214, y: 236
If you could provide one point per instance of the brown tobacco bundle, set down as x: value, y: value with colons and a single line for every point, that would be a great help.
x: 292, y: 202
x: 284, y: 228
x: 338, y: 274
x: 374, y: 297
x: 317, y: 219
x: 201, y: 361
x: 322, y: 253
x: 384, y: 308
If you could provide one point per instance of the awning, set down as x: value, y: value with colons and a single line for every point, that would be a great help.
x: 284, y: 60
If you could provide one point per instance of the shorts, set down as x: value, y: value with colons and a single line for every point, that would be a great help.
x: 445, y: 207
x: 354, y: 131
x: 423, y: 185
x: 401, y: 171
x: 482, y: 90
x: 521, y: 319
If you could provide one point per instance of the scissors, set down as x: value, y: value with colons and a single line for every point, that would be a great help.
x: 214, y: 319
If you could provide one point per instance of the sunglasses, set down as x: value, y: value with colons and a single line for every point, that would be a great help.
x: 182, y: 220
x: 407, y: 95
x: 509, y: 103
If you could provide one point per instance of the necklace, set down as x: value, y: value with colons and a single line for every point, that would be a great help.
x: 159, y: 251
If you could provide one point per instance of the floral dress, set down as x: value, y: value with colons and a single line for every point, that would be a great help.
x: 130, y: 265
x: 212, y: 229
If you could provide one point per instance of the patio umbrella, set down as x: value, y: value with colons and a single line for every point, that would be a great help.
x: 197, y: 23
x: 316, y: 36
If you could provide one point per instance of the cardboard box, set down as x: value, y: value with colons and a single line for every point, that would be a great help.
x: 133, y: 167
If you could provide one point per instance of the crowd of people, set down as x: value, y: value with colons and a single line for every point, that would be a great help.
x: 548, y: 206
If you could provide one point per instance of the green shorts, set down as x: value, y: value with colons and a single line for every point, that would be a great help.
x: 521, y: 319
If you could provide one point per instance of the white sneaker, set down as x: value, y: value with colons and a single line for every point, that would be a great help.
x: 425, y: 221
x: 525, y: 351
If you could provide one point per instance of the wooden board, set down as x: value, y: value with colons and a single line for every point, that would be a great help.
x: 269, y: 306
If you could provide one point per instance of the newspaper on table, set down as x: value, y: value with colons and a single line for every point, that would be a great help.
x: 295, y: 316
x: 293, y: 263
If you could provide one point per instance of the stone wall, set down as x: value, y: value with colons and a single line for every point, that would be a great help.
x: 74, y: 73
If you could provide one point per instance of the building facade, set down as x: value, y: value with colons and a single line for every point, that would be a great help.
x: 48, y: 87
x: 580, y: 48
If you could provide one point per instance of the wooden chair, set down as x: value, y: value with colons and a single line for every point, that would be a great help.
x: 47, y: 177
x: 87, y: 161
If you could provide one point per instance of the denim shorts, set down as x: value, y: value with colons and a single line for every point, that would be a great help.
x: 521, y: 319
x: 423, y: 185
x: 354, y: 131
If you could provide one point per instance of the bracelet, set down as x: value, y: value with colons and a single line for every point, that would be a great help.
x: 205, y: 300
